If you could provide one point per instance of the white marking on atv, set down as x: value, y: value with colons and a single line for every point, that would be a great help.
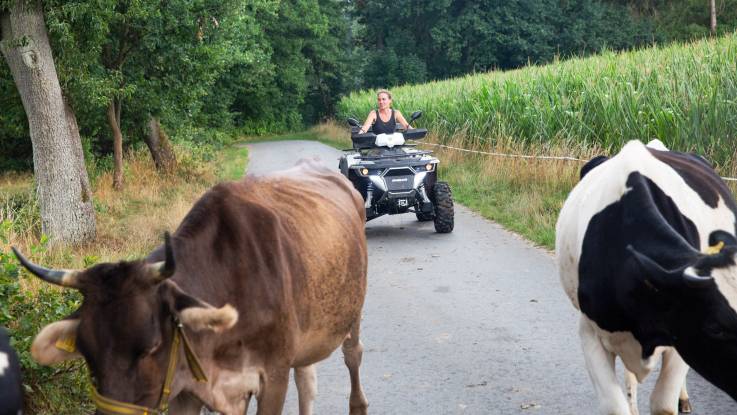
x: 389, y: 140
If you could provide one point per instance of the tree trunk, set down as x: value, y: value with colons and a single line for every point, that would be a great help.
x: 713, y: 10
x: 161, y: 150
x: 114, y: 122
x: 67, y: 214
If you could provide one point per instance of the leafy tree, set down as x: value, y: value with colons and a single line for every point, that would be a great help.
x: 15, y: 147
x: 144, y: 71
x: 689, y: 19
x: 144, y: 64
x: 410, y: 41
x: 328, y: 72
x: 63, y: 189
x: 305, y: 43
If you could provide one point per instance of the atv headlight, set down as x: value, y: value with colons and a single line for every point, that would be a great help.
x: 425, y: 168
x: 362, y: 171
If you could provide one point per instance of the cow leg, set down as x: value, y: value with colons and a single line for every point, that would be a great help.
x: 274, y: 391
x: 185, y: 404
x: 247, y: 400
x: 352, y: 354
x: 600, y: 365
x: 630, y: 382
x: 664, y: 399
x: 684, y: 404
x: 306, y: 380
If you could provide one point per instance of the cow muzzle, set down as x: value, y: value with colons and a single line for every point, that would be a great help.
x: 110, y: 406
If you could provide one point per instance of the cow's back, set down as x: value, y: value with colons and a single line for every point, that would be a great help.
x: 288, y: 250
x: 689, y: 185
x: 325, y: 218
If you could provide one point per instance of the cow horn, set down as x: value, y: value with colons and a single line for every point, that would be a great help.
x: 656, y: 273
x: 666, y: 277
x: 65, y: 278
x: 162, y: 270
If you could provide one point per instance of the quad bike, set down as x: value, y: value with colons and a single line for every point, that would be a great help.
x: 395, y: 177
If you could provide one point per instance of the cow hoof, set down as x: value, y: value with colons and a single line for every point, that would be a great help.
x: 684, y: 406
x: 358, y: 410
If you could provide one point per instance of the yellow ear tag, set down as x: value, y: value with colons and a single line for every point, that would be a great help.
x: 68, y: 344
x: 715, y: 249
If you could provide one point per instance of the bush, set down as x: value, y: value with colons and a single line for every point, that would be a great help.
x: 25, y: 311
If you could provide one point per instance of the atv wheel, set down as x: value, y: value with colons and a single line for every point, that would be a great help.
x: 443, y: 208
x: 424, y: 216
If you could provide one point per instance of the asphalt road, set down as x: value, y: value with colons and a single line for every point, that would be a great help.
x: 472, y: 322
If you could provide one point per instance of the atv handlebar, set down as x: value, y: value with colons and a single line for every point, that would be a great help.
x: 411, y: 134
x: 357, y: 124
x: 415, y: 133
x: 368, y: 140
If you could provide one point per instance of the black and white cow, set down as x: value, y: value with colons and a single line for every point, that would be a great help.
x: 646, y: 247
x: 11, y: 392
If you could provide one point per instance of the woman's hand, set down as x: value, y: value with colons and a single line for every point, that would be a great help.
x: 401, y: 120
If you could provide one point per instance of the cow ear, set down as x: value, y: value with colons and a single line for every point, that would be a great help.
x: 196, y: 314
x: 56, y: 343
x: 209, y: 318
x: 720, y: 239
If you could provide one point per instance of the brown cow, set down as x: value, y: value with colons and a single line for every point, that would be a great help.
x: 283, y: 257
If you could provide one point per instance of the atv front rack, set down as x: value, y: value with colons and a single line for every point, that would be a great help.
x: 394, y: 156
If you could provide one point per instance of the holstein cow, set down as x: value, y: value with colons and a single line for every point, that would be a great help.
x: 261, y: 276
x: 11, y: 389
x: 646, y: 251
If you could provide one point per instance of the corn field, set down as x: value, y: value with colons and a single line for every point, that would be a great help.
x: 684, y: 95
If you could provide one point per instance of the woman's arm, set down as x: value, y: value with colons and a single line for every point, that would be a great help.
x: 369, y: 120
x: 400, y: 118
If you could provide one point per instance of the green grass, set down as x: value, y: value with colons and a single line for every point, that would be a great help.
x: 524, y: 196
x: 233, y: 163
x: 523, y: 206
x: 130, y: 224
x: 328, y: 133
x: 684, y: 95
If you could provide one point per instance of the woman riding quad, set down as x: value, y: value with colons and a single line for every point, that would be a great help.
x: 384, y: 119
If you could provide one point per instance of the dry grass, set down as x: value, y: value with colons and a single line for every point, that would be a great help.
x: 149, y: 205
x: 334, y: 133
x: 330, y: 133
x: 14, y: 182
x: 130, y: 222
x: 522, y: 194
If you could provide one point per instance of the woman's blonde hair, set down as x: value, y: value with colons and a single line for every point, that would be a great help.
x: 384, y: 91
